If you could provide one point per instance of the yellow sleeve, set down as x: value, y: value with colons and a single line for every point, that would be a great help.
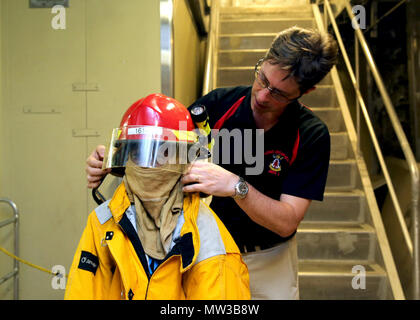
x: 90, y: 274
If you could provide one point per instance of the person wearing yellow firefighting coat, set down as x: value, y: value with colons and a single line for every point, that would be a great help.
x: 203, y: 263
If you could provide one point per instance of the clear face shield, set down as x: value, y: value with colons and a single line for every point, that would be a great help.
x: 152, y: 147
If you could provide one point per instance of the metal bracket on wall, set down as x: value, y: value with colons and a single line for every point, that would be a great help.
x: 48, y: 3
x: 41, y: 110
x: 81, y: 86
x: 79, y: 133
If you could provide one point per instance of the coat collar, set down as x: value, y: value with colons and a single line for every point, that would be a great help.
x: 119, y: 203
x: 188, y: 245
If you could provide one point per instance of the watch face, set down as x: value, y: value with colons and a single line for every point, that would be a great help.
x: 243, y: 188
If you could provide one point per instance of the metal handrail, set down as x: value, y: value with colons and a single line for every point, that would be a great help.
x: 362, y: 105
x: 371, y: 203
x: 208, y: 83
x: 15, y: 273
x: 413, y: 246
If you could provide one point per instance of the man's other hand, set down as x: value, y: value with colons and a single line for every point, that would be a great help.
x: 94, y: 170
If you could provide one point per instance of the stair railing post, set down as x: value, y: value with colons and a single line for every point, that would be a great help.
x: 415, y: 181
x: 325, y: 17
x: 357, y: 65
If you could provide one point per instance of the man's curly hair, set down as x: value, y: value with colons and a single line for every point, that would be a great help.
x: 308, y: 54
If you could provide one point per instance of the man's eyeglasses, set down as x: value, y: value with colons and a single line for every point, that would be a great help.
x: 263, y: 82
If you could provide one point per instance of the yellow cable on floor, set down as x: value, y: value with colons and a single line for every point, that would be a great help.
x: 28, y: 263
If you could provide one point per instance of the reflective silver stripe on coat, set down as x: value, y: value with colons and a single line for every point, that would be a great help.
x: 103, y: 213
x: 131, y: 215
x: 211, y: 242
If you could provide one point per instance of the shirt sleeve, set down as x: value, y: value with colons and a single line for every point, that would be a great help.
x: 90, y: 273
x: 307, y: 175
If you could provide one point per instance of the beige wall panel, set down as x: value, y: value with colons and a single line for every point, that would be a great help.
x: 188, y: 55
x: 42, y: 163
x: 6, y: 233
x: 112, y: 43
x: 1, y: 96
x: 123, y: 58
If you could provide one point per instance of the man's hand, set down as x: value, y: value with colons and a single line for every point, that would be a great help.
x: 211, y: 179
x: 94, y: 167
x: 280, y: 216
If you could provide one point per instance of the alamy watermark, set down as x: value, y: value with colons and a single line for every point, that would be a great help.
x: 58, y: 22
x: 235, y: 146
x: 58, y: 282
x: 359, y: 20
x: 359, y: 280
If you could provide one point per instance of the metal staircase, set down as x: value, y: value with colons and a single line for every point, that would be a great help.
x: 345, y: 230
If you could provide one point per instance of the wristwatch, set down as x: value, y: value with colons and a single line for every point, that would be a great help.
x: 241, y: 189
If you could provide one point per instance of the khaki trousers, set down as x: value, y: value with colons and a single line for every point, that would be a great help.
x: 273, y: 273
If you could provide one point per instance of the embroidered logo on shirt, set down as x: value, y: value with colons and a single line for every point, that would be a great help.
x: 88, y: 262
x: 276, y: 160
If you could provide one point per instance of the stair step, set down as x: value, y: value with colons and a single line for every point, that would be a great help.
x: 337, y: 227
x: 246, y: 41
x: 340, y: 146
x: 338, y: 207
x: 240, y: 58
x: 332, y: 118
x: 322, y: 280
x: 323, y: 96
x: 341, y: 175
x: 263, y: 25
x: 336, y: 241
x: 276, y: 17
x: 235, y: 76
x: 255, y: 12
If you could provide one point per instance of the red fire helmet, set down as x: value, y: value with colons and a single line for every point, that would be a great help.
x: 155, y: 131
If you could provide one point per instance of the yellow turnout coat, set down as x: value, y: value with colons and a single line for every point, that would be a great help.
x: 203, y: 263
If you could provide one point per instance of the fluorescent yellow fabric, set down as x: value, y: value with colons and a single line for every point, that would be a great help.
x: 121, y: 275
